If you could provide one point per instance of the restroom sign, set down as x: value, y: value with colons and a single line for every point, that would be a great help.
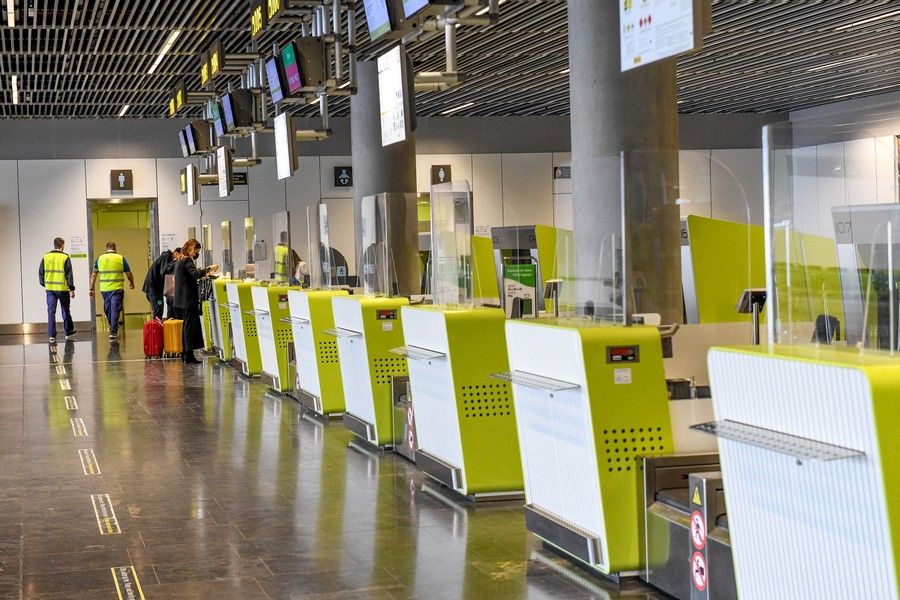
x: 120, y: 180
x: 440, y: 174
x: 343, y: 177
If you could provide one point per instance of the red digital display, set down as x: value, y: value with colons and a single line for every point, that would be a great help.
x: 387, y: 315
x: 622, y: 354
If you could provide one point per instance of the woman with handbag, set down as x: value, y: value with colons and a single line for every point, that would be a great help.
x: 187, y: 298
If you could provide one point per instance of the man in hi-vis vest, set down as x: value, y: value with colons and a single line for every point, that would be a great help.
x: 111, y: 269
x: 55, y: 275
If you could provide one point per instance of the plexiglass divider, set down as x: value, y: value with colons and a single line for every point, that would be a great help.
x: 832, y: 228
x: 452, y: 229
x: 387, y: 244
x: 227, y: 257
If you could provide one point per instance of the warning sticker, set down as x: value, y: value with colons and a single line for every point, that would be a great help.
x: 106, y: 516
x: 78, y: 428
x: 699, y: 575
x: 696, y: 500
x: 698, y: 530
x: 127, y: 585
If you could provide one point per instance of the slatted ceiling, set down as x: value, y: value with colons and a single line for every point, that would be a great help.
x: 88, y: 58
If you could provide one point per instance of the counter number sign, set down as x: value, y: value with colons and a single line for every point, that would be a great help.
x: 257, y: 18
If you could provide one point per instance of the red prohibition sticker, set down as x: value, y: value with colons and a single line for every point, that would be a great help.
x: 698, y: 530
x: 699, y: 574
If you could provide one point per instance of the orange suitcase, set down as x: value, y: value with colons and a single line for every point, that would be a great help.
x: 172, y: 337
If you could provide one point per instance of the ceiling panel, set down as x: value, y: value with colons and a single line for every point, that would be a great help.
x: 89, y: 58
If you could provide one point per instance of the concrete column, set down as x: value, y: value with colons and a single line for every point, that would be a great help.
x: 624, y: 143
x: 376, y: 169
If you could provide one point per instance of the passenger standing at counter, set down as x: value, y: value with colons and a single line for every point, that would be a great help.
x: 112, y: 268
x: 55, y: 275
x: 187, y: 298
x: 154, y: 282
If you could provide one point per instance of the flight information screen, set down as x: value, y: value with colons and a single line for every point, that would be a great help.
x: 293, y: 78
x: 273, y: 76
x: 411, y: 7
x: 378, y: 18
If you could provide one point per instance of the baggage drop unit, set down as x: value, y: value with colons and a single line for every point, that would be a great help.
x: 275, y: 336
x: 222, y: 344
x: 319, y: 386
x: 246, y: 359
x: 590, y: 400
x: 465, y: 421
x: 368, y: 326
x: 366, y: 329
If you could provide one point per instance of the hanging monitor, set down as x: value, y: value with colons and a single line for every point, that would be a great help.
x: 285, y: 146
x: 197, y: 133
x: 192, y: 177
x: 218, y: 123
x: 237, y: 110
x: 395, y: 100
x: 182, y: 141
x: 224, y: 166
x: 413, y: 7
x: 290, y: 61
x: 275, y: 80
x: 378, y: 18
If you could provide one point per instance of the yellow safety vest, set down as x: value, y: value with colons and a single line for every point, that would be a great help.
x: 111, y: 269
x: 281, y: 263
x: 55, y: 272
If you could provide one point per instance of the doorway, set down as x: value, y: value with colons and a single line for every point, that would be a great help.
x: 132, y: 223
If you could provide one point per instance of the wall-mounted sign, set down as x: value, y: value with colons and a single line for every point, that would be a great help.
x: 343, y: 177
x: 440, y: 174
x: 237, y: 178
x: 652, y: 30
x: 120, y: 180
x: 562, y: 172
x: 257, y: 17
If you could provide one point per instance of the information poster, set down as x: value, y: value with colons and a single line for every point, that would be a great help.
x: 391, y: 98
x: 78, y: 246
x: 169, y: 241
x: 520, y: 282
x: 652, y: 30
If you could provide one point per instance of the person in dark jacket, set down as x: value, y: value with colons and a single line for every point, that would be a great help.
x: 55, y: 276
x: 187, y: 298
x: 155, y: 281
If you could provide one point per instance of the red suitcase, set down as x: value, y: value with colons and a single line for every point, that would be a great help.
x: 153, y: 339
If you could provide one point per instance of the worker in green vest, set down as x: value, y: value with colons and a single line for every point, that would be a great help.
x: 282, y: 260
x: 55, y: 275
x: 111, y: 269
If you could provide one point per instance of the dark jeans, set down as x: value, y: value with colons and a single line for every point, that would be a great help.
x: 193, y: 329
x: 64, y: 300
x: 112, y: 307
x: 156, y: 304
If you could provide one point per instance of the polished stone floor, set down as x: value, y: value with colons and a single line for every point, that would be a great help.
x: 220, y: 490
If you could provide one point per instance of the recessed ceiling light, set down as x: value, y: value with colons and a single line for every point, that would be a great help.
x: 124, y: 110
x: 461, y: 107
x: 170, y: 41
x: 15, y: 89
x: 869, y: 20
x: 564, y: 72
x: 11, y: 13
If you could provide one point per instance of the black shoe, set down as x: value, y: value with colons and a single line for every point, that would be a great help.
x: 188, y: 358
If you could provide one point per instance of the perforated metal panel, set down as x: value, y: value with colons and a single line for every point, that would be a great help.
x: 486, y: 401
x: 328, y: 352
x: 385, y: 368
x: 625, y: 447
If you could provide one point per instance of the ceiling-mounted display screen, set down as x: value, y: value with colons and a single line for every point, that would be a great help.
x: 218, y: 122
x: 393, y: 96
x: 285, y: 146
x: 197, y: 133
x: 237, y: 109
x: 224, y: 168
x: 378, y: 18
x: 275, y: 80
x: 411, y: 7
x: 192, y: 177
x: 290, y: 62
x: 182, y: 141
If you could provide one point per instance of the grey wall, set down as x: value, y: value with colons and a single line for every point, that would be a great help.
x: 23, y: 139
